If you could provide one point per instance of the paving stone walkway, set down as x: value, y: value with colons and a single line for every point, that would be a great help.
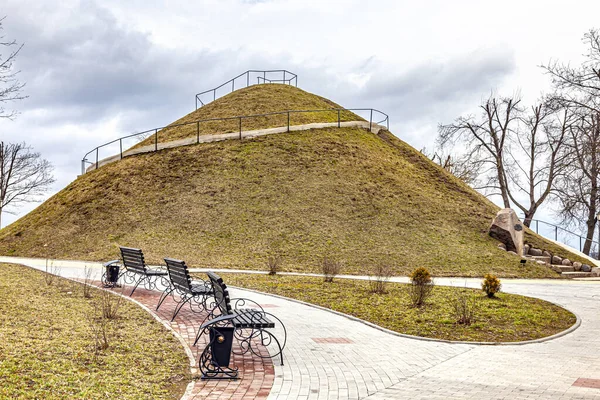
x: 329, y: 356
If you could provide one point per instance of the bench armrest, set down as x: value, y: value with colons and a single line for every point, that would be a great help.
x: 106, y: 264
x: 217, y: 320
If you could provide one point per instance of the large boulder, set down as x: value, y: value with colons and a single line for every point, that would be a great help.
x: 556, y: 260
x: 508, y: 229
x: 577, y: 265
x: 546, y: 253
x: 526, y: 249
x: 566, y: 262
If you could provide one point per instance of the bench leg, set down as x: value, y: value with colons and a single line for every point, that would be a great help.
x: 136, y: 285
x: 163, y: 296
x: 181, y: 304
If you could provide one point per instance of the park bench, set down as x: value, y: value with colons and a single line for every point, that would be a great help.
x: 137, y: 272
x: 251, y: 326
x: 194, y: 293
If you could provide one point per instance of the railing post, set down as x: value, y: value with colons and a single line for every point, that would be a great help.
x: 579, y: 243
x: 537, y: 224
x: 284, y: 76
x: 240, y: 128
x: 96, y: 157
x: 371, y: 122
x: 198, y: 132
x: 247, y: 78
x: 265, y: 76
x: 83, y: 166
x: 121, y: 147
x: 214, y: 94
x: 288, y: 121
x: 233, y: 85
x: 338, y: 117
x: 555, y: 232
x: 196, y: 102
x: 156, y: 140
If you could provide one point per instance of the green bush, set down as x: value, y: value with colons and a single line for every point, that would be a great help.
x: 491, y: 285
x: 421, y: 286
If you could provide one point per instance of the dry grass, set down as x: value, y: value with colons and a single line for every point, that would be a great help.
x: 369, y: 200
x: 52, y: 345
x: 254, y: 100
x: 505, y: 318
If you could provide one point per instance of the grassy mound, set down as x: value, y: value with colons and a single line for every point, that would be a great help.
x: 344, y: 192
x: 506, y: 318
x: 254, y: 100
x: 48, y: 351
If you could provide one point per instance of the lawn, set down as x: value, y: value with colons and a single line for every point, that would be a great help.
x: 48, y: 348
x: 507, y: 318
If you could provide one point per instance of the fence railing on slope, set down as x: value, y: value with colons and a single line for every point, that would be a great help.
x: 155, y: 132
x: 246, y: 79
x: 563, y: 235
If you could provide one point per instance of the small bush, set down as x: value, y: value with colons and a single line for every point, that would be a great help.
x: 110, y: 304
x: 52, y: 272
x: 421, y: 286
x: 273, y: 265
x: 87, y: 282
x: 465, y: 307
x: 491, y: 285
x: 330, y: 268
x: 381, y: 276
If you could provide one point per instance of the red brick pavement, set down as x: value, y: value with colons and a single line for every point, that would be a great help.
x: 256, y: 374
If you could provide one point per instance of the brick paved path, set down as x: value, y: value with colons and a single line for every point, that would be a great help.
x: 329, y: 356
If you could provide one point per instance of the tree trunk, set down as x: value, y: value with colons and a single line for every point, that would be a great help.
x: 589, y: 237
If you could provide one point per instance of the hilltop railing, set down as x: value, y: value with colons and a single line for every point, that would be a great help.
x: 563, y: 235
x: 265, y: 76
x: 140, y: 136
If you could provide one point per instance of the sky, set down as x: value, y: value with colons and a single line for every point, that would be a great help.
x: 98, y: 70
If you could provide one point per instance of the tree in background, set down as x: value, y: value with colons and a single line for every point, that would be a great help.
x: 24, y: 175
x: 519, y: 154
x: 485, y: 139
x: 578, y: 87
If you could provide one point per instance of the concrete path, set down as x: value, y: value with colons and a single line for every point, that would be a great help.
x: 235, y: 135
x: 332, y: 357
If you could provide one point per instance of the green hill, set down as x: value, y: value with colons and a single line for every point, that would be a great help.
x: 363, y: 198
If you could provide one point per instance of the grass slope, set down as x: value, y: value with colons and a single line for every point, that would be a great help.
x: 253, y: 100
x: 341, y: 192
x: 47, y: 345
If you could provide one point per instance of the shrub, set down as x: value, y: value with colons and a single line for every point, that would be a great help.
x: 465, y: 307
x: 87, y: 282
x: 421, y: 286
x: 381, y: 276
x: 491, y: 285
x: 273, y: 264
x: 330, y: 268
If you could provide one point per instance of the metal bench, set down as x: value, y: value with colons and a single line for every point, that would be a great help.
x: 136, y: 271
x: 251, y: 327
x: 194, y: 293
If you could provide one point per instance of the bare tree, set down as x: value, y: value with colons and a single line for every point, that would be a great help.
x: 10, y: 87
x: 486, y: 138
x: 578, y: 192
x: 579, y: 86
x: 461, y: 166
x: 24, y: 175
x: 537, y: 157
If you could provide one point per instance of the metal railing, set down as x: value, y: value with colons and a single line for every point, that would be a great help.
x: 246, y: 79
x: 563, y: 235
x: 155, y: 131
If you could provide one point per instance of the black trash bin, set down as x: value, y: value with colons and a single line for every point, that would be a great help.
x: 111, y: 274
x: 214, y: 361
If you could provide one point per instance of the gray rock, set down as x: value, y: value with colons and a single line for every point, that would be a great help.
x: 556, y: 260
x: 508, y: 229
x: 502, y: 246
x: 566, y: 262
x: 586, y: 268
x: 526, y: 249
x: 595, y: 271
x: 577, y: 265
x: 546, y: 253
x: 535, y: 252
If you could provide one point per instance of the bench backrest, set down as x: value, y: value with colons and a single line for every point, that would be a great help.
x: 221, y: 293
x: 179, y: 274
x: 133, y: 259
